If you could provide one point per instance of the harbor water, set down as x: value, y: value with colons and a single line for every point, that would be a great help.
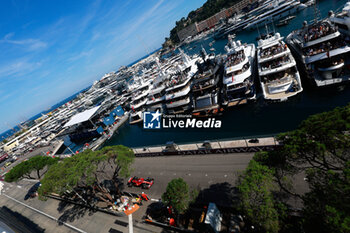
x: 254, y: 119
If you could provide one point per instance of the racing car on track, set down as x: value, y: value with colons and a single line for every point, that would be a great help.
x: 140, y: 182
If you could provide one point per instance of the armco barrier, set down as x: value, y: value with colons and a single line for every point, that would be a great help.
x: 209, y: 151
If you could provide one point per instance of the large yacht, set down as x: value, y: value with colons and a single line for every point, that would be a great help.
x: 278, y: 73
x: 178, y: 87
x: 342, y: 20
x: 206, y: 86
x: 139, y: 100
x: 322, y: 51
x: 156, y: 96
x: 239, y: 72
x: 177, y: 93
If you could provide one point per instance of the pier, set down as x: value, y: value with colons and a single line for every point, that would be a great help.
x: 210, y: 147
x: 95, y: 145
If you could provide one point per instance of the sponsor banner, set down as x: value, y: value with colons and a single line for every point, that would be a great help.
x: 208, y: 151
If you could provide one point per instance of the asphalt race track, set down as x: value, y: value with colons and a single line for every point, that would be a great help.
x: 196, y: 170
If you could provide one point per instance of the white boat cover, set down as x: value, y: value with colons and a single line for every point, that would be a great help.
x: 81, y: 117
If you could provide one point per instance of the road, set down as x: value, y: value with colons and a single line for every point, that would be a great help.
x: 37, y: 151
x: 197, y: 170
x: 203, y: 171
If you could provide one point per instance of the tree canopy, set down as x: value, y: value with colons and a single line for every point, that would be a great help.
x: 89, y: 171
x: 26, y: 168
x: 257, y: 202
x: 320, y: 149
x: 177, y: 195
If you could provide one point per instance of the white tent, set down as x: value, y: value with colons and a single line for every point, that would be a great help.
x: 81, y: 117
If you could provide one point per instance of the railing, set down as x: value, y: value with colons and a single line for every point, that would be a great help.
x: 237, y: 145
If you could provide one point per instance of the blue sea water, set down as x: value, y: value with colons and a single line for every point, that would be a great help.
x: 260, y: 118
x: 15, y: 129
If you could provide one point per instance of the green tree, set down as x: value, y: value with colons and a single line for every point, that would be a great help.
x: 319, y: 148
x: 25, y: 169
x: 257, y: 201
x: 88, y: 171
x: 177, y: 195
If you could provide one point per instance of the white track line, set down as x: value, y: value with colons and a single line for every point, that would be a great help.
x: 31, y: 180
x: 49, y: 216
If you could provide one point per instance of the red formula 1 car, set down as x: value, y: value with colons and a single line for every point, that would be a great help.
x: 140, y: 182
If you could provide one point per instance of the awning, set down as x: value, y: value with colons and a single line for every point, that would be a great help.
x: 108, y: 120
x: 117, y: 112
x: 82, y: 117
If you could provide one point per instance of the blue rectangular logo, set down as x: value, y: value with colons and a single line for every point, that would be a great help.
x: 152, y: 120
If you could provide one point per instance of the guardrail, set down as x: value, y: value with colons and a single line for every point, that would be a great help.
x: 210, y: 147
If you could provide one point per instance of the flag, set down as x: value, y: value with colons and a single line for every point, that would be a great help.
x: 233, y: 79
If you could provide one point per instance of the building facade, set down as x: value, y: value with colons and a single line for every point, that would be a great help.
x: 210, y: 22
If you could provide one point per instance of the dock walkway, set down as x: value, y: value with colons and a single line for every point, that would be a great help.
x: 97, y: 144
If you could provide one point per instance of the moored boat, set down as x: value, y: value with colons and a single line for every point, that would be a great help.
x: 322, y: 52
x: 278, y: 73
x: 239, y: 69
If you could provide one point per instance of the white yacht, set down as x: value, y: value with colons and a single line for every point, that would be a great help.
x: 156, y: 96
x: 322, y: 51
x: 278, y: 73
x: 239, y: 72
x: 139, y: 100
x: 280, y: 10
x: 342, y: 20
x: 187, y: 63
x: 178, y: 87
x: 177, y: 93
x: 206, y: 86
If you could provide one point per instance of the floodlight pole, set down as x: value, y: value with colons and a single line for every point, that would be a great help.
x: 131, y: 228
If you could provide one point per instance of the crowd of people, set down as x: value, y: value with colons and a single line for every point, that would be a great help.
x: 235, y: 59
x: 275, y: 63
x: 273, y: 50
x: 318, y: 31
x: 324, y: 47
x: 205, y: 84
x: 279, y: 77
x: 175, y: 80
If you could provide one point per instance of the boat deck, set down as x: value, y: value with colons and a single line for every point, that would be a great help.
x: 279, y: 96
x: 322, y: 82
x: 237, y: 102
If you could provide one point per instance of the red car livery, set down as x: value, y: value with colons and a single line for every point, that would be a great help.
x: 140, y: 182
